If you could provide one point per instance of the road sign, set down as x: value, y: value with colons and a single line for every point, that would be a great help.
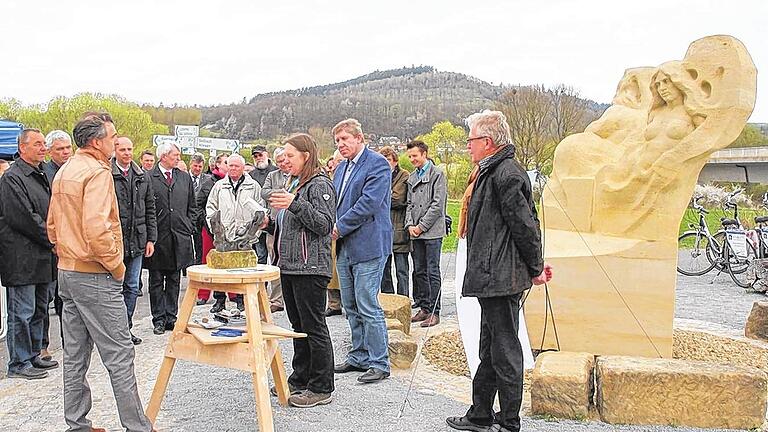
x: 188, y: 150
x: 199, y: 143
x: 163, y: 139
x: 186, y: 131
x: 228, y: 145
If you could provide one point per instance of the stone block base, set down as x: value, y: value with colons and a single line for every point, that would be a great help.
x: 647, y: 391
x: 393, y: 324
x: 397, y: 307
x: 402, y: 349
x: 757, y: 322
x: 231, y: 260
x: 562, y: 384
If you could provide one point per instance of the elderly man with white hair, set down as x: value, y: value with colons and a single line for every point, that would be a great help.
x: 505, y: 250
x: 237, y: 198
x: 58, y: 146
x: 175, y: 212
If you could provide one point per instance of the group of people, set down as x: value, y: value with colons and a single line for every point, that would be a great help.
x: 80, y: 228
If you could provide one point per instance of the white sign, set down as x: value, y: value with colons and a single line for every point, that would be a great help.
x: 190, y: 142
x: 163, y: 139
x: 228, y: 145
x: 188, y: 150
x: 186, y: 131
x: 212, y: 153
x: 738, y: 242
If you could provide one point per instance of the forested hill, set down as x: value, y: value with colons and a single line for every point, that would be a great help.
x: 399, y: 102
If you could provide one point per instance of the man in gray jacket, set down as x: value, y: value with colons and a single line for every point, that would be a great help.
x: 425, y: 221
x: 276, y: 180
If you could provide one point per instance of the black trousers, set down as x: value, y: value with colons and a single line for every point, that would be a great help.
x: 427, y: 283
x: 304, y: 298
x: 501, y: 364
x: 164, y: 296
x: 197, y: 242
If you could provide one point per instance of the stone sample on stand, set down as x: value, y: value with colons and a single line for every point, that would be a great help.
x: 402, y: 349
x: 757, y: 322
x: 397, y: 307
x: 232, y: 259
x: 562, y: 384
x: 613, y: 203
x: 642, y: 391
x: 393, y: 324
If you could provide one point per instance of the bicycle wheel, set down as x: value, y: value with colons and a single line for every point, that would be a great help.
x: 696, y: 255
x: 743, y: 271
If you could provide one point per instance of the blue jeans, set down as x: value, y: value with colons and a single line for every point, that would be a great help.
x: 360, y: 285
x: 131, y: 285
x: 27, y: 307
x: 426, y: 274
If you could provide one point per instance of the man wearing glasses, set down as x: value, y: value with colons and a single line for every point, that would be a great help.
x: 504, y: 248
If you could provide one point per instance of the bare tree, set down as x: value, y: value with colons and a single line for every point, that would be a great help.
x: 528, y: 113
x: 569, y: 113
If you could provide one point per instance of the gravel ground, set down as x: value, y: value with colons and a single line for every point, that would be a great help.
x: 203, y: 398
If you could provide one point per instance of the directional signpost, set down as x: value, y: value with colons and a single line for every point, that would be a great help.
x: 188, y: 140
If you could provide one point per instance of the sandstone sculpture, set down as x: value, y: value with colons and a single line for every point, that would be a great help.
x: 618, y: 190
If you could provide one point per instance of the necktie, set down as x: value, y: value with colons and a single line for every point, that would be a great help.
x: 168, y: 178
x: 125, y: 173
x: 196, y: 179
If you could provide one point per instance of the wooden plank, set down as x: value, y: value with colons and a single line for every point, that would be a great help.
x: 233, y: 356
x: 161, y: 385
x: 256, y: 346
x: 268, y: 330
x: 205, y: 337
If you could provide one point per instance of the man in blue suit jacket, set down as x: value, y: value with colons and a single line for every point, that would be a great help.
x: 364, y: 241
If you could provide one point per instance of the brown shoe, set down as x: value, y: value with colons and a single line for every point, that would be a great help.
x: 420, y: 316
x: 431, y: 321
x: 309, y: 399
x: 44, y: 354
x: 93, y: 429
x: 275, y: 308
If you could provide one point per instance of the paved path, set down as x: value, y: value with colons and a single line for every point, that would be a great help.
x: 202, y: 398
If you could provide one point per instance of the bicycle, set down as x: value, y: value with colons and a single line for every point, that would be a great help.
x: 756, y: 275
x: 727, y: 250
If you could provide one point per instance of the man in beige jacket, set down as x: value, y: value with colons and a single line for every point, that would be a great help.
x: 84, y: 226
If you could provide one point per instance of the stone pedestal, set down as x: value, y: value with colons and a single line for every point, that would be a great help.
x: 562, y: 384
x: 397, y: 307
x: 231, y: 260
x: 402, y: 349
x: 757, y: 322
x: 633, y: 390
x: 593, y: 311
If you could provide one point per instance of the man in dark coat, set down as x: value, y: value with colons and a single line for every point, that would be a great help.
x: 136, y: 202
x: 59, y: 148
x: 27, y: 262
x: 504, y: 250
x: 401, y: 242
x: 175, y: 212
x: 196, y: 164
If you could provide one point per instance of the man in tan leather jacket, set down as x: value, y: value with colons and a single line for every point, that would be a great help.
x: 84, y: 226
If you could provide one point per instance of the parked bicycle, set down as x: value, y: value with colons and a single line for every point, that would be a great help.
x: 728, y: 249
x: 756, y: 276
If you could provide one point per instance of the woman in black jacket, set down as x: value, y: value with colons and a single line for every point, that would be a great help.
x: 304, y: 220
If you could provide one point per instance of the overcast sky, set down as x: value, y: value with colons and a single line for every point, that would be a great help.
x: 213, y: 52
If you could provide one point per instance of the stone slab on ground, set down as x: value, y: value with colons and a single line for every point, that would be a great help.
x: 397, y: 307
x: 562, y: 384
x: 644, y: 391
x: 402, y: 349
x: 757, y: 322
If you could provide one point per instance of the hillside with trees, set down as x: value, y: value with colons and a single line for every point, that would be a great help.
x: 399, y: 102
